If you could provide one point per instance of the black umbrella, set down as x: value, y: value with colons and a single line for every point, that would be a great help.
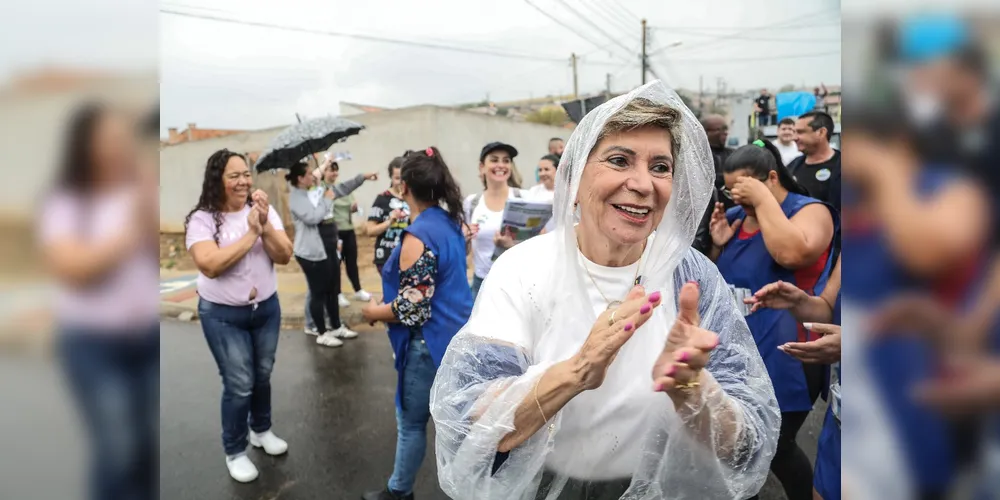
x: 304, y: 139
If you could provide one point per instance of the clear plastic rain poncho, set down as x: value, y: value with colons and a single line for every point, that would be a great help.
x: 540, y: 301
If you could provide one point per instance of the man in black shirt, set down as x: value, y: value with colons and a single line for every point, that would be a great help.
x: 819, y: 166
x: 717, y: 131
x: 763, y: 104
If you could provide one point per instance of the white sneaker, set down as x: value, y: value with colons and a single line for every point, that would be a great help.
x: 272, y: 444
x: 329, y: 339
x: 310, y: 331
x: 241, y: 468
x: 343, y: 301
x: 362, y: 296
x: 344, y: 333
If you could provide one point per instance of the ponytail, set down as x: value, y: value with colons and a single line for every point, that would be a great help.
x: 428, y: 179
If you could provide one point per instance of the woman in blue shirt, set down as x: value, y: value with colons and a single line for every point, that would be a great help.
x: 917, y: 230
x: 775, y: 232
x: 426, y: 280
x: 825, y: 311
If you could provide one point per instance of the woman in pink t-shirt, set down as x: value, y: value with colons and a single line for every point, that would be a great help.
x: 97, y: 236
x: 235, y: 239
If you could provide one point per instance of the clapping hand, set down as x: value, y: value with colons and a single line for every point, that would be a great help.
x: 722, y: 231
x: 678, y: 370
x: 253, y: 220
x: 259, y: 198
x: 825, y: 350
x: 777, y: 295
x: 610, y: 332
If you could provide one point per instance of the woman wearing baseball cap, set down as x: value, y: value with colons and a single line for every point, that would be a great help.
x: 484, y: 211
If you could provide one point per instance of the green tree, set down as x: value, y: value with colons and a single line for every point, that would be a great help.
x: 549, y: 115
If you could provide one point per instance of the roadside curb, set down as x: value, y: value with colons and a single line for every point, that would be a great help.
x: 351, y: 316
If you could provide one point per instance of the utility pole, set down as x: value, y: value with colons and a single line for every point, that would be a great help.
x: 607, y: 85
x: 701, y: 94
x: 643, y: 51
x: 576, y: 91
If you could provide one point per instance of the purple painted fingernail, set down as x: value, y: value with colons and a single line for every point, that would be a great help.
x: 628, y: 327
x: 655, y: 297
x: 657, y: 387
x: 644, y: 309
x: 683, y: 357
x: 670, y: 371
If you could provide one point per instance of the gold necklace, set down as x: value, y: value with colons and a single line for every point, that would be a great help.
x: 635, y: 280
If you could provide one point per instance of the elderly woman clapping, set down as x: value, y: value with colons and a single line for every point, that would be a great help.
x: 606, y: 359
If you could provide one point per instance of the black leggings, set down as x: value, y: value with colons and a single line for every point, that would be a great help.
x: 321, y: 294
x: 790, y: 464
x: 323, y: 278
x: 350, y: 257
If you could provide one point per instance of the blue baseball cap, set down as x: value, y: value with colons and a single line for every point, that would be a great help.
x: 930, y: 37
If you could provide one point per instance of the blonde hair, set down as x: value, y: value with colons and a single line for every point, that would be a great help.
x: 641, y: 113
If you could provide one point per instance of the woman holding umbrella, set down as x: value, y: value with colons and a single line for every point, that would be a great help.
x: 316, y: 247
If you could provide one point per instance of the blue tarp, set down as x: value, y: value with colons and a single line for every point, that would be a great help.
x: 792, y: 104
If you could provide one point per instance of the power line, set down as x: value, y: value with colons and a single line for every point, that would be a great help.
x: 796, y: 26
x: 564, y: 25
x: 609, y: 14
x: 777, y: 25
x: 625, y: 10
x: 753, y: 38
x: 369, y: 38
x: 596, y: 27
x: 751, y: 59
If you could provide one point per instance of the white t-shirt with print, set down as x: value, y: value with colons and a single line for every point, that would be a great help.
x: 788, y: 153
x: 489, y: 224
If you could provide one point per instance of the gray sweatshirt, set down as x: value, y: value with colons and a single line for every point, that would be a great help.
x: 307, y: 217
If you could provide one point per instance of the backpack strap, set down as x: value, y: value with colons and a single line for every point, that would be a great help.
x: 475, y: 203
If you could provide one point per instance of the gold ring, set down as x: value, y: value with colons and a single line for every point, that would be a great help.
x: 611, y: 319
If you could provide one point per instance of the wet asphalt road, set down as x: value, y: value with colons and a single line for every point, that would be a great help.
x: 333, y: 406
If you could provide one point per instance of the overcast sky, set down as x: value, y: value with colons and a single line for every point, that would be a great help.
x: 225, y: 75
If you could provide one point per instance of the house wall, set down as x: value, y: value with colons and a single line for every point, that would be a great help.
x: 459, y: 135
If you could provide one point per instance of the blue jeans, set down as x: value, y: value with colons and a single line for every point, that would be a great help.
x: 243, y: 341
x: 114, y: 378
x: 412, y: 419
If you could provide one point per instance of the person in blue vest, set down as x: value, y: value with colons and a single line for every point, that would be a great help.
x: 429, y: 301
x: 775, y: 232
x: 819, y: 314
x: 915, y: 229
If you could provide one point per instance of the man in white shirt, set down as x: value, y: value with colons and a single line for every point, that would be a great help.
x: 786, y: 141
